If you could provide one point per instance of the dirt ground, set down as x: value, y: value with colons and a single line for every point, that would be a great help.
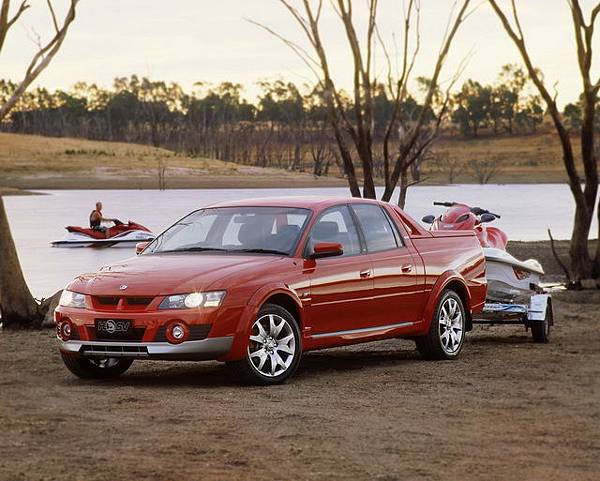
x: 508, y: 409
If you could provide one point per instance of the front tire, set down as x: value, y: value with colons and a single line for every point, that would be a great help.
x: 274, y: 348
x: 446, y: 334
x: 107, y: 368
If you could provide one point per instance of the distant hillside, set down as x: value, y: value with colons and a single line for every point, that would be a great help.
x: 518, y: 159
x: 30, y: 161
x: 35, y: 162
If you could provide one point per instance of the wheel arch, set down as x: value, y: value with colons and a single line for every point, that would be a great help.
x: 280, y: 295
x: 287, y: 301
x: 452, y: 281
x: 463, y: 292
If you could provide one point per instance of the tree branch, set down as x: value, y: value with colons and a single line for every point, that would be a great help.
x: 409, y: 145
x: 301, y: 52
x: 53, y: 15
x: 5, y: 23
x: 40, y: 60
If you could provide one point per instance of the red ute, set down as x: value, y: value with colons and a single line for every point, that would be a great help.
x: 256, y: 283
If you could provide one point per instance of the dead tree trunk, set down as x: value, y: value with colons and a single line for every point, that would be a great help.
x: 18, y: 307
x: 596, y: 268
x: 403, y: 188
x: 584, y: 197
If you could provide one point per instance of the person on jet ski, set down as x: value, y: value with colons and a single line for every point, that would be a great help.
x: 96, y: 219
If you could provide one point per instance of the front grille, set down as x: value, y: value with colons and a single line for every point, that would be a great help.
x: 135, y: 334
x: 107, y: 301
x: 114, y: 351
x: 121, y: 302
x: 138, y: 301
x: 197, y: 333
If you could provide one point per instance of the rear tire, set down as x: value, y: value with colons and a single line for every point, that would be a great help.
x: 540, y: 330
x: 274, y: 348
x: 446, y: 334
x: 107, y: 368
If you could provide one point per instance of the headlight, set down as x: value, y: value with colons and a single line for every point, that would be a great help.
x: 72, y: 299
x: 193, y: 300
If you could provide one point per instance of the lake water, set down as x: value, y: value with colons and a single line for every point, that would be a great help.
x: 527, y: 212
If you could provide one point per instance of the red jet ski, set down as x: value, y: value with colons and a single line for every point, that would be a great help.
x: 509, y: 279
x: 119, y: 235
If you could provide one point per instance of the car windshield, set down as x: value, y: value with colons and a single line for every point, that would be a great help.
x: 262, y: 230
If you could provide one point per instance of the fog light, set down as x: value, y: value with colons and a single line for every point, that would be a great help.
x: 64, y: 330
x: 177, y: 332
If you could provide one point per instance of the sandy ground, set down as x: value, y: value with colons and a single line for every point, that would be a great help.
x: 508, y: 409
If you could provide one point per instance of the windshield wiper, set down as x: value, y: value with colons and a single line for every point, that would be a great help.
x: 196, y: 249
x: 262, y: 251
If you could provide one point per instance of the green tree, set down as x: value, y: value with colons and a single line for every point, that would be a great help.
x: 473, y: 111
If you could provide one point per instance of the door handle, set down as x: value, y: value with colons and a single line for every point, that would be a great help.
x: 406, y: 268
x: 365, y: 273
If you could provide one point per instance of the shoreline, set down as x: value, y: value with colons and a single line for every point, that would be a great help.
x: 29, y: 186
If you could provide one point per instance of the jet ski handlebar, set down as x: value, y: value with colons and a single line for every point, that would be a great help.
x: 475, y: 210
x: 480, y: 211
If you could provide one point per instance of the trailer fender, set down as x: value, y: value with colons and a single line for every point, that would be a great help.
x: 538, y: 306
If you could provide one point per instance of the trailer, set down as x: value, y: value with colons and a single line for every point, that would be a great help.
x: 536, y: 315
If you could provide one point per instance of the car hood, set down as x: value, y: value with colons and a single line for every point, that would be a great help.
x: 162, y: 274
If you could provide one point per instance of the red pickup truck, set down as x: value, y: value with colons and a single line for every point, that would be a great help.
x: 256, y: 283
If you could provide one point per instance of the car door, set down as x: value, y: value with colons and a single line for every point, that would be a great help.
x: 341, y: 286
x: 397, y: 296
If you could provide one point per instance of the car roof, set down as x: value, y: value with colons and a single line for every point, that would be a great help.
x: 307, y: 202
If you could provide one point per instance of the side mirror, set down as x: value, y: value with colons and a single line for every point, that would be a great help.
x: 327, y: 249
x: 487, y: 218
x: 140, y: 246
x: 428, y: 219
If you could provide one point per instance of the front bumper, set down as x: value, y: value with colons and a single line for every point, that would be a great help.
x: 206, y: 349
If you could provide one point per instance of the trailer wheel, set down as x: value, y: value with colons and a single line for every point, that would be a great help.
x: 540, y: 330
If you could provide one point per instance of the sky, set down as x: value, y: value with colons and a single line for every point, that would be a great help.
x: 188, y: 41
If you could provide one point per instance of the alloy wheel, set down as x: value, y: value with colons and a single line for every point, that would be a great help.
x: 272, y: 346
x: 451, y: 326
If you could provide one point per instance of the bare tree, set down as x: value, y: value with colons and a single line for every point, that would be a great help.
x: 44, y: 55
x: 447, y: 165
x: 355, y: 126
x: 18, y: 308
x: 584, y: 196
x: 485, y: 169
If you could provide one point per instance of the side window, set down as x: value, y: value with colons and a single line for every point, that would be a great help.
x: 336, y: 225
x: 379, y: 233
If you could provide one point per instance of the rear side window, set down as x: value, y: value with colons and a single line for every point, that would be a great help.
x: 377, y: 228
